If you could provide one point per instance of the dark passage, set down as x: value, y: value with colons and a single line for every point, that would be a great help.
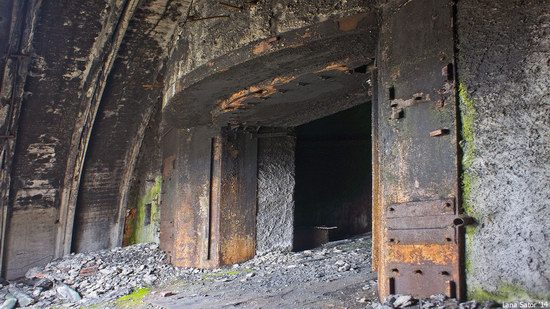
x: 333, y: 178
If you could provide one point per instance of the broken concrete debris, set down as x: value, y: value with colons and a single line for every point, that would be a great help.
x: 438, y: 301
x: 88, y: 278
x: 100, y: 278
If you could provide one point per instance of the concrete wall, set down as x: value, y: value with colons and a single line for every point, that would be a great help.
x: 142, y: 219
x: 275, y: 217
x: 503, y: 65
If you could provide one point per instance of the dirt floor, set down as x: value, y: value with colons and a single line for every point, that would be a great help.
x: 336, y: 275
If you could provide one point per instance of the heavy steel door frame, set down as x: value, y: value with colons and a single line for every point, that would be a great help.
x: 418, y: 227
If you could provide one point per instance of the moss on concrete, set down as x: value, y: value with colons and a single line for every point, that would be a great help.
x: 505, y: 292
x: 467, y: 114
x: 146, y: 233
x: 467, y: 117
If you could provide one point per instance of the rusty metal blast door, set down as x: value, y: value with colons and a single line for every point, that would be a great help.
x: 419, y: 233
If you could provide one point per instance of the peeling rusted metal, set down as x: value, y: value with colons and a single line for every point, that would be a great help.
x: 243, y: 75
x: 350, y: 23
x: 265, y: 45
x: 263, y: 90
x: 423, y: 247
x: 377, y: 231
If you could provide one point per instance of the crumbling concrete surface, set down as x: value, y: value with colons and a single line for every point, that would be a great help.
x: 503, y: 65
x: 276, y: 184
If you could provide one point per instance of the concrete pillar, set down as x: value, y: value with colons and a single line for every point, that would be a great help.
x: 276, y: 183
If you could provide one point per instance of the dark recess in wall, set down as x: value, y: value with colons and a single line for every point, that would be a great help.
x: 333, y: 178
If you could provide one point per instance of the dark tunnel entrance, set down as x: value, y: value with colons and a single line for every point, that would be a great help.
x: 333, y: 178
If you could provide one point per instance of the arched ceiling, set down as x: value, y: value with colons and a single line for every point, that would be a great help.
x: 82, y: 79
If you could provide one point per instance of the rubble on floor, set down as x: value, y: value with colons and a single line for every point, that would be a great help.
x: 88, y: 278
x: 337, y: 274
x: 439, y: 301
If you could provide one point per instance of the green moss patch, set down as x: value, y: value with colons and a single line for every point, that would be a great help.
x: 140, y: 231
x: 134, y: 299
x: 506, y: 293
x: 468, y: 115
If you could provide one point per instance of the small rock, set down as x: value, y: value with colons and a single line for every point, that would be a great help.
x: 362, y: 300
x: 9, y: 303
x: 88, y: 271
x: 34, y: 272
x: 402, y: 301
x: 37, y: 291
x: 340, y: 263
x: 65, y: 292
x: 390, y: 299
x: 43, y: 283
x: 149, y: 279
x: 167, y: 293
x: 438, y: 297
x: 92, y: 294
x: 23, y: 299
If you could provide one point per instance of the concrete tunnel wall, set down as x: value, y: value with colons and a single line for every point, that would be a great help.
x: 503, y: 65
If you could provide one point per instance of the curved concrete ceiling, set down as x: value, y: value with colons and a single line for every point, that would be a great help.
x: 285, y: 80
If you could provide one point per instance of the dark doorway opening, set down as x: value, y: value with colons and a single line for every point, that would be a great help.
x: 333, y: 178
